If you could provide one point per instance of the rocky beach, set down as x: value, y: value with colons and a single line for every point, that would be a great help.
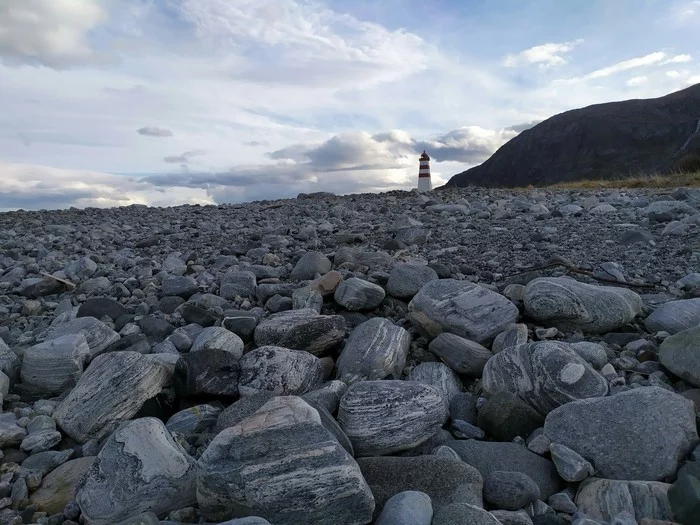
x: 464, y: 356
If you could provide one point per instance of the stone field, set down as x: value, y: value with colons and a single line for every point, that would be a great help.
x: 465, y: 356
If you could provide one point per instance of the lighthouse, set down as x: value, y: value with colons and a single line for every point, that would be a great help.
x: 424, y: 183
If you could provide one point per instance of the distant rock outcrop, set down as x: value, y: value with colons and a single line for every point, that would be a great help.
x: 602, y: 141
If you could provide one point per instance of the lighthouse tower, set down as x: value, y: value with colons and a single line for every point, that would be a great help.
x: 424, y: 183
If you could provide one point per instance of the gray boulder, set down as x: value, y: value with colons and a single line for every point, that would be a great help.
x: 604, y: 499
x: 196, y: 419
x: 383, y: 417
x: 111, y: 390
x: 515, y: 335
x: 235, y: 284
x: 375, y: 349
x: 505, y: 416
x: 179, y: 286
x: 56, y: 365
x: 463, y: 513
x: 446, y: 481
x: 510, y: 490
x: 356, y: 294
x: 280, y: 463
x: 241, y: 409
x: 462, y: 308
x: 407, y: 279
x: 680, y: 353
x: 11, y: 434
x: 218, y: 338
x: 545, y: 374
x: 10, y: 362
x: 674, y: 316
x: 440, y: 377
x: 302, y: 329
x: 140, y: 468
x: 641, y: 434
x: 310, y: 264
x: 207, y: 371
x: 279, y: 370
x: 570, y: 465
x: 488, y: 456
x: 97, y: 334
x: 593, y: 353
x: 407, y: 507
x: 461, y: 355
x: 567, y: 303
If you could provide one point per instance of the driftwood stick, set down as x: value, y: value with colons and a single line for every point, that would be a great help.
x: 63, y: 281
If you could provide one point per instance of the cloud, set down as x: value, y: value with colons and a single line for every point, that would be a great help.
x: 544, y: 55
x: 678, y: 59
x: 519, y: 128
x: 637, y: 81
x: 184, y: 158
x: 153, y: 131
x: 49, y: 33
x: 625, y: 65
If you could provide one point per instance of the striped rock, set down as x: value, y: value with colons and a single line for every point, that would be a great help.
x: 281, y: 464
x: 357, y: 294
x: 514, y: 335
x: 140, y: 468
x: 112, y: 389
x: 545, y: 374
x: 462, y: 308
x: 383, y: 417
x: 218, y: 338
x: 674, y: 316
x: 279, y: 370
x: 375, y: 349
x: 302, y: 329
x: 195, y: 419
x: 439, y: 376
x: 460, y: 354
x: 10, y: 362
x: 568, y: 303
x: 97, y: 334
x: 56, y: 365
x: 604, y: 499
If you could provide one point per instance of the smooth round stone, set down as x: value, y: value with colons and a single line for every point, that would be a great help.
x: 505, y: 416
x: 407, y: 279
x: 279, y: 370
x: 439, y: 376
x: 593, y: 353
x: 310, y: 264
x: 58, y: 487
x: 179, y: 286
x: 674, y: 316
x: 218, y: 338
x: 356, y: 294
x: 464, y: 513
x: 510, y: 490
x: 56, y: 365
x: 407, y: 507
x: 680, y: 353
x: 460, y: 354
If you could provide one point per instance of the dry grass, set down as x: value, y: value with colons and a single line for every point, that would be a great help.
x: 639, y: 181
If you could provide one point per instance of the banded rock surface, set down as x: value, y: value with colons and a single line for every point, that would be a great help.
x: 302, y: 329
x: 279, y: 370
x: 55, y: 365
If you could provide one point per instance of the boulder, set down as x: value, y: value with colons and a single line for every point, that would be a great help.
x: 11, y: 434
x: 179, y: 286
x: 218, y: 338
x: 464, y: 514
x: 140, y: 468
x: 545, y: 374
x: 674, y: 316
x: 111, y: 390
x: 241, y: 409
x: 302, y: 329
x: 310, y: 264
x: 567, y: 303
x: 604, y: 499
x: 505, y: 416
x: 515, y: 335
x: 279, y: 370
x: 383, y: 417
x: 235, y: 284
x: 375, y: 349
x: 98, y: 307
x: 407, y: 507
x: 446, y: 481
x: 407, y: 279
x: 195, y: 420
x: 508, y: 490
x: 356, y: 294
x: 280, y: 463
x: 641, y: 434
x: 97, y: 334
x: 58, y: 488
x: 55, y: 365
x: 440, y: 377
x: 461, y: 355
x: 207, y: 372
x: 680, y: 353
x: 462, y: 308
x: 10, y: 363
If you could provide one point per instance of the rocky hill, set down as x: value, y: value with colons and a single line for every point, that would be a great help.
x: 602, y: 141
x: 465, y: 356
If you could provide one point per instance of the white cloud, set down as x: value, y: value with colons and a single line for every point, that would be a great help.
x: 637, y: 81
x: 52, y: 33
x: 678, y: 59
x: 625, y: 65
x: 544, y: 55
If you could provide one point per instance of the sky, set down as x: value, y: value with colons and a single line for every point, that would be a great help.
x: 165, y: 102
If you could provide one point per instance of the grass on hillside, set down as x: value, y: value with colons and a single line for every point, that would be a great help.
x: 674, y: 180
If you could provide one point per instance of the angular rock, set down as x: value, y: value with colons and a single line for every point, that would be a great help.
x: 11, y: 434
x: 460, y: 354
x: 440, y: 377
x: 212, y: 372
x: 505, y: 416
x: 241, y: 284
x: 462, y: 308
x: 545, y: 374
x: 515, y: 335
x: 359, y: 258
x: 301, y: 329
x: 111, y: 390
x: 279, y: 370
x: 56, y: 365
x: 510, y: 490
x: 446, y: 481
x: 242, y: 323
x: 407, y: 279
x: 140, y: 468
x: 680, y: 353
x: 179, y: 286
x: 196, y: 419
x: 375, y: 349
x: 674, y: 316
x: 42, y: 435
x: 81, y: 269
x: 356, y: 294
x: 309, y: 265
x: 489, y: 456
x: 241, y: 409
x: 407, y: 507
x: 97, y: 334
x: 567, y: 303
x: 282, y: 464
x: 98, y: 307
x: 219, y: 339
x: 641, y: 434
x: 307, y: 297
x: 604, y: 499
x: 327, y: 395
x: 383, y: 417
x: 570, y: 465
x: 47, y: 461
x: 10, y: 362
x: 58, y: 487
x: 511, y: 517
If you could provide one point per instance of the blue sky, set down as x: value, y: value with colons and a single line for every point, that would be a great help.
x: 112, y: 102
